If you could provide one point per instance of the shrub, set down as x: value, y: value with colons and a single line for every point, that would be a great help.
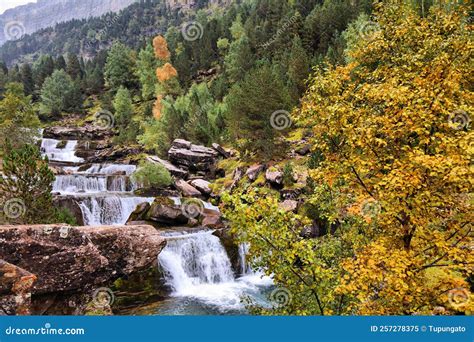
x: 152, y: 175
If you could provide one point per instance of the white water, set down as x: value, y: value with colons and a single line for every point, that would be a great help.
x: 66, y: 154
x: 101, y: 190
x: 109, y: 209
x: 196, y: 266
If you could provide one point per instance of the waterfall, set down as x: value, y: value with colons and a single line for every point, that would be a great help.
x: 195, y: 259
x: 110, y: 209
x: 70, y: 184
x: 196, y: 266
x: 243, y: 251
x: 64, y: 154
x: 103, y: 191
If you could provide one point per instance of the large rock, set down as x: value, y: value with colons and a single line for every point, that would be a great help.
x: 186, y: 189
x: 68, y: 258
x: 192, y: 157
x: 288, y: 205
x: 15, y: 289
x: 274, y: 176
x: 202, y: 185
x: 222, y: 151
x: 174, y: 170
x: 164, y: 211
x: 87, y: 132
x: 72, y: 205
x: 254, y: 170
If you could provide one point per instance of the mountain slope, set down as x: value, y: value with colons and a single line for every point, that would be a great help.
x: 30, y: 18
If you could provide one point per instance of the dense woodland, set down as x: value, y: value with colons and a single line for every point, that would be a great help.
x: 382, y: 92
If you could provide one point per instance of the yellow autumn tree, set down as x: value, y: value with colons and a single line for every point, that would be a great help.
x: 394, y: 135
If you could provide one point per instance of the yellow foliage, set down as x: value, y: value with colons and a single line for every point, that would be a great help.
x: 166, y: 72
x: 161, y: 48
x: 158, y: 107
x: 394, y: 129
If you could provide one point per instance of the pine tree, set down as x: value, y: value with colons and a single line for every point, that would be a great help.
x: 60, y: 63
x: 123, y: 116
x: 251, y: 104
x: 26, y: 75
x: 298, y: 69
x: 26, y: 188
x: 56, y: 92
x: 119, y: 68
x: 18, y: 120
x: 146, y: 66
x: 73, y: 67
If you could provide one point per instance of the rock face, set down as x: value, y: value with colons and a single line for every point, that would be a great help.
x: 68, y: 258
x: 164, y: 211
x: 274, y: 176
x: 46, y: 13
x: 88, y: 132
x: 192, y: 157
x: 71, y: 204
x: 15, y: 289
x: 186, y: 189
x: 253, y: 171
x: 175, y: 171
x: 202, y: 185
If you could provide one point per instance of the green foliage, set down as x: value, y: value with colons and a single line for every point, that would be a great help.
x: 288, y: 174
x: 123, y: 107
x: 146, y: 66
x: 119, y: 67
x: 18, y: 120
x: 251, y: 104
x: 59, y: 93
x: 25, y: 189
x: 151, y: 175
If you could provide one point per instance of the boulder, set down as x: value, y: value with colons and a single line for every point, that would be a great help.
x: 202, y: 185
x: 87, y: 132
x: 186, y: 189
x: 304, y: 150
x: 212, y: 219
x: 288, y: 205
x: 222, y: 151
x: 72, y: 205
x: 192, y: 157
x: 15, y: 289
x: 173, y: 170
x: 164, y: 211
x: 181, y: 143
x: 254, y: 170
x: 66, y: 258
x: 274, y: 176
x: 139, y: 213
x: 113, y: 154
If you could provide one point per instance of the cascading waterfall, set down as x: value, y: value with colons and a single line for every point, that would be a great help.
x: 109, y: 209
x: 103, y: 191
x: 62, y: 154
x: 196, y: 266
